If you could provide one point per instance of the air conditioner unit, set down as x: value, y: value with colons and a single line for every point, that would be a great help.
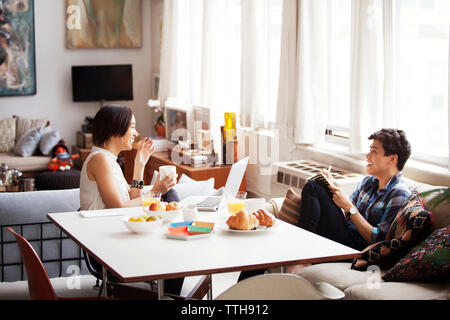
x: 294, y: 174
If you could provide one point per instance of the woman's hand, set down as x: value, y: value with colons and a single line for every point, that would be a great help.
x: 144, y: 151
x: 340, y: 198
x: 165, y: 184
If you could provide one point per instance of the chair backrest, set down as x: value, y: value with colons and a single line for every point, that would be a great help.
x: 39, y: 284
x: 272, y: 287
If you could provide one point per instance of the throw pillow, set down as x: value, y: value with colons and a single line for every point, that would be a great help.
x: 29, y: 142
x: 194, y: 188
x: 25, y: 124
x: 413, y: 222
x: 430, y: 260
x: 7, y: 134
x: 50, y: 138
x: 291, y: 207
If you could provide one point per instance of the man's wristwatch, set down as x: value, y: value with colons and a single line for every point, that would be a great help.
x: 352, y: 210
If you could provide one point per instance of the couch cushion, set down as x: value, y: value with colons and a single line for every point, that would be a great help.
x: 441, y: 213
x: 398, y: 291
x: 31, y: 207
x: 339, y: 274
x: 49, y: 139
x: 33, y: 163
x: 416, y: 222
x: 7, y: 134
x: 430, y: 260
x: 29, y: 142
x: 291, y: 208
x: 25, y: 124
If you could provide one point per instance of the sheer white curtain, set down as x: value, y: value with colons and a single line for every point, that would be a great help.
x: 310, y: 79
x: 367, y: 92
x: 222, y: 53
x: 261, y: 33
x: 200, y: 54
x: 303, y: 87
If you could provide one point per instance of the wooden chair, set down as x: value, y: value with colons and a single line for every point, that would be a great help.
x: 39, y: 284
x: 281, y: 286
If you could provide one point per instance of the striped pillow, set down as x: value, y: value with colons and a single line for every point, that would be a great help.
x: 290, y: 210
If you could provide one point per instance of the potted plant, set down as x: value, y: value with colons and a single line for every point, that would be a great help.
x: 160, y: 126
x: 443, y: 195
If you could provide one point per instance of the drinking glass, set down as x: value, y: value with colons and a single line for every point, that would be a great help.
x: 149, y: 197
x: 237, y: 203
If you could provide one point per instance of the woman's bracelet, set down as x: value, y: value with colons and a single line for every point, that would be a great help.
x: 139, y: 184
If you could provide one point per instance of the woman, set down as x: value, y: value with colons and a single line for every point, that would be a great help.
x: 102, y: 183
x: 365, y: 216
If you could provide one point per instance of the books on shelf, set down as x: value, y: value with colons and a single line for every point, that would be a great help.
x: 162, y: 144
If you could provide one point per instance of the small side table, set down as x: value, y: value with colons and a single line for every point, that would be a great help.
x: 54, y: 180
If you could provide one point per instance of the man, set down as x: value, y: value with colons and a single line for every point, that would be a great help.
x: 365, y: 216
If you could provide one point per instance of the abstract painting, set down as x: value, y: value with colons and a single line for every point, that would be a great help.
x: 103, y: 24
x: 17, y: 57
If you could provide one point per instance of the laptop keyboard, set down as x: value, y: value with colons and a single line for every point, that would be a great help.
x: 209, y: 202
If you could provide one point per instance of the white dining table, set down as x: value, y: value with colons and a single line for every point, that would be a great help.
x: 132, y: 257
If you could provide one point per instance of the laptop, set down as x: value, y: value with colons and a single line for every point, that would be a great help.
x: 234, y: 180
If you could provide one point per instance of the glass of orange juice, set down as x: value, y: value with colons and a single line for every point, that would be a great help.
x: 237, y: 203
x: 149, y: 197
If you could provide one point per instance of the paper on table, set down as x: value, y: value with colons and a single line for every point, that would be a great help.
x: 101, y: 213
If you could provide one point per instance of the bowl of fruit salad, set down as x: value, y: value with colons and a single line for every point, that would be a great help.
x: 143, y: 224
x: 166, y: 210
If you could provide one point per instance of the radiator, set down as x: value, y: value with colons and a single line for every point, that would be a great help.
x: 294, y: 174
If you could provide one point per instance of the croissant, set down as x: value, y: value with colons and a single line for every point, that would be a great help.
x: 264, y: 218
x: 242, y: 221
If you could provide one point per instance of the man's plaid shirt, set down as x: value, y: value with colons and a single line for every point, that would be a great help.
x: 379, y: 207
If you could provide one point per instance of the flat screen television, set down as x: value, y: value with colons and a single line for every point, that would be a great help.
x: 102, y: 83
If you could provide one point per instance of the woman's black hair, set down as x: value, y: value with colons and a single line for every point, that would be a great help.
x: 394, y: 142
x: 110, y: 121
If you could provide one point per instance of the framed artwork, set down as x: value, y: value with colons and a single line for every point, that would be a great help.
x: 178, y: 123
x: 202, y: 127
x: 17, y: 48
x: 103, y: 24
x: 202, y: 114
x: 155, y: 85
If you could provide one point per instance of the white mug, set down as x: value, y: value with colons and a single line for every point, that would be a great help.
x: 165, y: 171
x: 252, y: 205
x: 190, y: 213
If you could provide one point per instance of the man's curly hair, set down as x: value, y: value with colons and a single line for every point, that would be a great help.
x: 394, y: 142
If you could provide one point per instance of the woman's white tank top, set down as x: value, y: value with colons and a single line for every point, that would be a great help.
x: 90, y: 197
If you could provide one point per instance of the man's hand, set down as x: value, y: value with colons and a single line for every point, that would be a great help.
x: 340, y: 198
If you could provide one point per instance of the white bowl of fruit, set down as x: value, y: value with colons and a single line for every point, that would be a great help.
x: 168, y: 211
x: 143, y: 224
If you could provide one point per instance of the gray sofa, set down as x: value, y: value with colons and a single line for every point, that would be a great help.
x: 368, y: 285
x: 26, y: 212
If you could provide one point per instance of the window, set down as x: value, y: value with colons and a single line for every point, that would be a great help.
x: 419, y: 71
x: 422, y: 52
x: 339, y: 64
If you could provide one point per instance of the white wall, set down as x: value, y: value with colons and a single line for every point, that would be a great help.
x: 53, y: 73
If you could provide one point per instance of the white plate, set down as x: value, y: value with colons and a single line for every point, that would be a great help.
x: 224, y: 226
